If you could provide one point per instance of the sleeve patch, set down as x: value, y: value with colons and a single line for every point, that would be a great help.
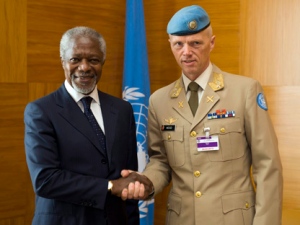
x: 261, y: 101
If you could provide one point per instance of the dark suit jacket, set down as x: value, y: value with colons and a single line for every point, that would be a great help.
x: 68, y: 169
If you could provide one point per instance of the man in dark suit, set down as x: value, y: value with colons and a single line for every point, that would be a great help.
x: 76, y: 179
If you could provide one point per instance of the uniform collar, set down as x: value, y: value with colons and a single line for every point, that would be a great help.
x: 202, y: 80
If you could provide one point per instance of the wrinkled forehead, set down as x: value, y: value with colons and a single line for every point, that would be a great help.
x: 83, y: 46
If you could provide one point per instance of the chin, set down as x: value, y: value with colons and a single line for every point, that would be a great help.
x: 83, y: 89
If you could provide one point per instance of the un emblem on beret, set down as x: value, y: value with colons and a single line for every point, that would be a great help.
x: 193, y: 25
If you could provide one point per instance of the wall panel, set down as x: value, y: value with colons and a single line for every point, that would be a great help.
x: 13, y: 97
x: 270, y: 53
x: 13, y: 40
x: 282, y: 108
x: 270, y: 41
x: 14, y: 176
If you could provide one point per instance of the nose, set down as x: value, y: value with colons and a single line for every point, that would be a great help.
x: 187, y: 50
x: 84, y: 65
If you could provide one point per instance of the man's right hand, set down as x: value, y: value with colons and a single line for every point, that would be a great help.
x: 132, y: 185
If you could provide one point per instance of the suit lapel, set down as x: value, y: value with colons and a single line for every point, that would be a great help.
x: 70, y: 111
x: 109, y: 115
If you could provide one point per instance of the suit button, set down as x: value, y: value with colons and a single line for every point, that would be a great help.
x: 247, y: 205
x: 193, y: 134
x: 222, y: 130
x: 197, y: 173
x: 103, y: 161
x: 198, y: 194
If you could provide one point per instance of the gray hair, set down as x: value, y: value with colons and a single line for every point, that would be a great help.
x: 84, y: 32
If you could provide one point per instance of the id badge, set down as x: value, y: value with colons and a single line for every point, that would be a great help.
x: 210, y: 143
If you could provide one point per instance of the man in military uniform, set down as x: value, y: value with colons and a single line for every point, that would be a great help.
x: 205, y: 131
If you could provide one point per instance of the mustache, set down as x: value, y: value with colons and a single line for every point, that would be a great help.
x: 83, y: 75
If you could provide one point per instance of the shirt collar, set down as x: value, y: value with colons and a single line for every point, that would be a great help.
x: 202, y: 80
x: 78, y: 96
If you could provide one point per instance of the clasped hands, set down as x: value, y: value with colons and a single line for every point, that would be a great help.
x: 132, y: 185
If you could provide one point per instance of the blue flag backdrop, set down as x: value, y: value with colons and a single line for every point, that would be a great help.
x: 136, y: 88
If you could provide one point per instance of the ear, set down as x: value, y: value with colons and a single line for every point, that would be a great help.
x: 62, y: 63
x: 212, y: 42
x: 169, y: 39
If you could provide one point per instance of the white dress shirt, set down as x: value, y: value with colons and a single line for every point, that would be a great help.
x: 95, y: 104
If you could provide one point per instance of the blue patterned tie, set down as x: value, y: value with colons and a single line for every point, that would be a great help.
x: 86, y: 101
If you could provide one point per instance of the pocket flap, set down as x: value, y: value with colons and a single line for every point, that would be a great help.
x: 224, y: 126
x: 243, y: 200
x: 174, y: 203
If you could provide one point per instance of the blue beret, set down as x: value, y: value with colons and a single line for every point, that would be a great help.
x: 188, y: 20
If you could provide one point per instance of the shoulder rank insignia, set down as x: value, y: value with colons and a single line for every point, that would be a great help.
x: 218, y: 82
x: 176, y: 90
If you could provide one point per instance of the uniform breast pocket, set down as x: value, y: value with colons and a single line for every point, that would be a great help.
x: 173, y: 141
x: 232, y: 141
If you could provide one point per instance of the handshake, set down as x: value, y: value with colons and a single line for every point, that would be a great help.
x: 132, y: 185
